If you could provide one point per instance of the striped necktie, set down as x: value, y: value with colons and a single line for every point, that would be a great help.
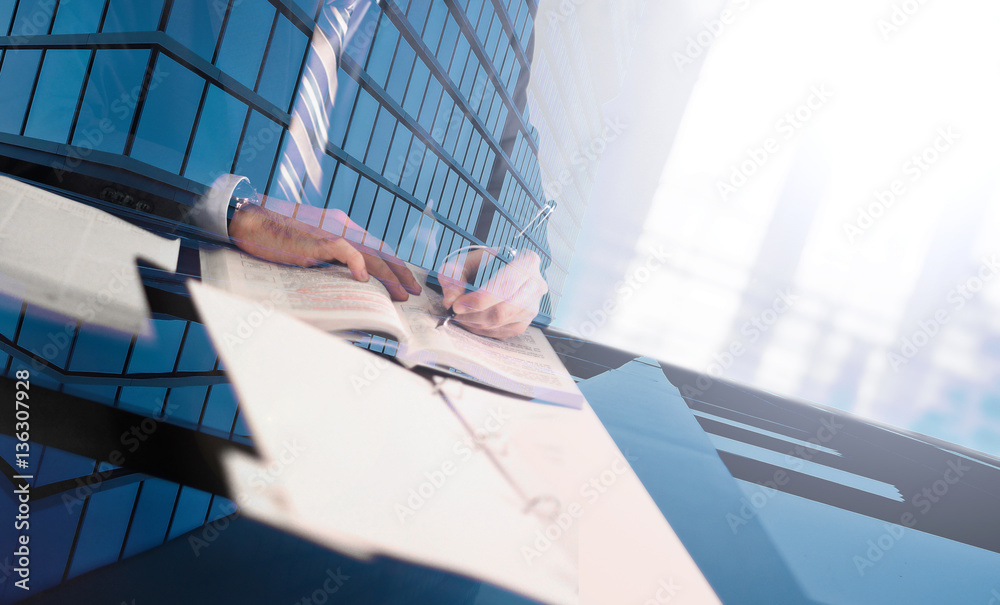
x: 301, y: 164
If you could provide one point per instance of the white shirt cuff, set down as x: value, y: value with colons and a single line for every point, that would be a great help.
x: 211, y: 210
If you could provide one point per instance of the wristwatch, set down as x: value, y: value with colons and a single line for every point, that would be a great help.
x: 243, y: 195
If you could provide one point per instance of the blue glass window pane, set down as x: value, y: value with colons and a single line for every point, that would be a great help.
x: 10, y: 308
x: 103, y: 531
x: 413, y: 161
x: 402, y: 66
x: 196, y: 25
x: 427, y: 170
x: 342, y: 191
x: 57, y: 465
x: 359, y: 44
x: 377, y: 222
x: 435, y: 25
x: 185, y: 404
x: 432, y: 99
x: 33, y: 18
x: 221, y: 507
x: 417, y: 14
x: 152, y: 514
x: 378, y: 147
x: 309, y: 6
x: 111, y: 97
x: 157, y: 353
x: 362, y: 204
x: 383, y: 51
x: 449, y: 39
x: 57, y: 94
x: 361, y: 125
x: 396, y: 162
x: 260, y: 145
x: 245, y: 40
x: 340, y: 113
x: 437, y: 185
x: 415, y: 91
x: 48, y: 535
x: 6, y: 15
x: 218, y: 134
x: 19, y: 66
x: 198, y: 354
x: 220, y: 410
x: 78, y: 17
x: 168, y: 117
x: 394, y: 227
x: 99, y: 350
x: 132, y: 16
x: 281, y: 68
x: 147, y: 401
x: 192, y: 507
x: 47, y: 335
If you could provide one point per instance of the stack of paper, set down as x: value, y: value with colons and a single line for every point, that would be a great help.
x: 534, y: 498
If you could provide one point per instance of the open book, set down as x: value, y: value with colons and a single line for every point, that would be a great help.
x: 332, y: 300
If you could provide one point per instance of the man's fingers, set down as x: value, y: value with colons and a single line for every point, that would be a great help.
x: 457, y: 274
x: 342, y: 250
x: 476, y: 302
x: 404, y: 275
x: 381, y: 271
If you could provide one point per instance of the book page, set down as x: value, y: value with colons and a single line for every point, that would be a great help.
x: 74, y: 259
x: 526, y: 364
x: 329, y: 297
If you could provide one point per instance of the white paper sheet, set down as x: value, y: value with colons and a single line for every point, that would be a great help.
x: 74, y: 259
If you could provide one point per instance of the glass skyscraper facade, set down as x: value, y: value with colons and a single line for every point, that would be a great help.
x: 430, y: 108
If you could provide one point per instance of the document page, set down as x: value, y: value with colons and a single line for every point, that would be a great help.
x: 329, y: 297
x: 526, y: 364
x: 74, y: 259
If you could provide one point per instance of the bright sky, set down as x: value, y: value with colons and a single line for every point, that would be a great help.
x: 880, y: 94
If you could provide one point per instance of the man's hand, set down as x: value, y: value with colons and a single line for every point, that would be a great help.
x: 278, y: 237
x: 507, y: 303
